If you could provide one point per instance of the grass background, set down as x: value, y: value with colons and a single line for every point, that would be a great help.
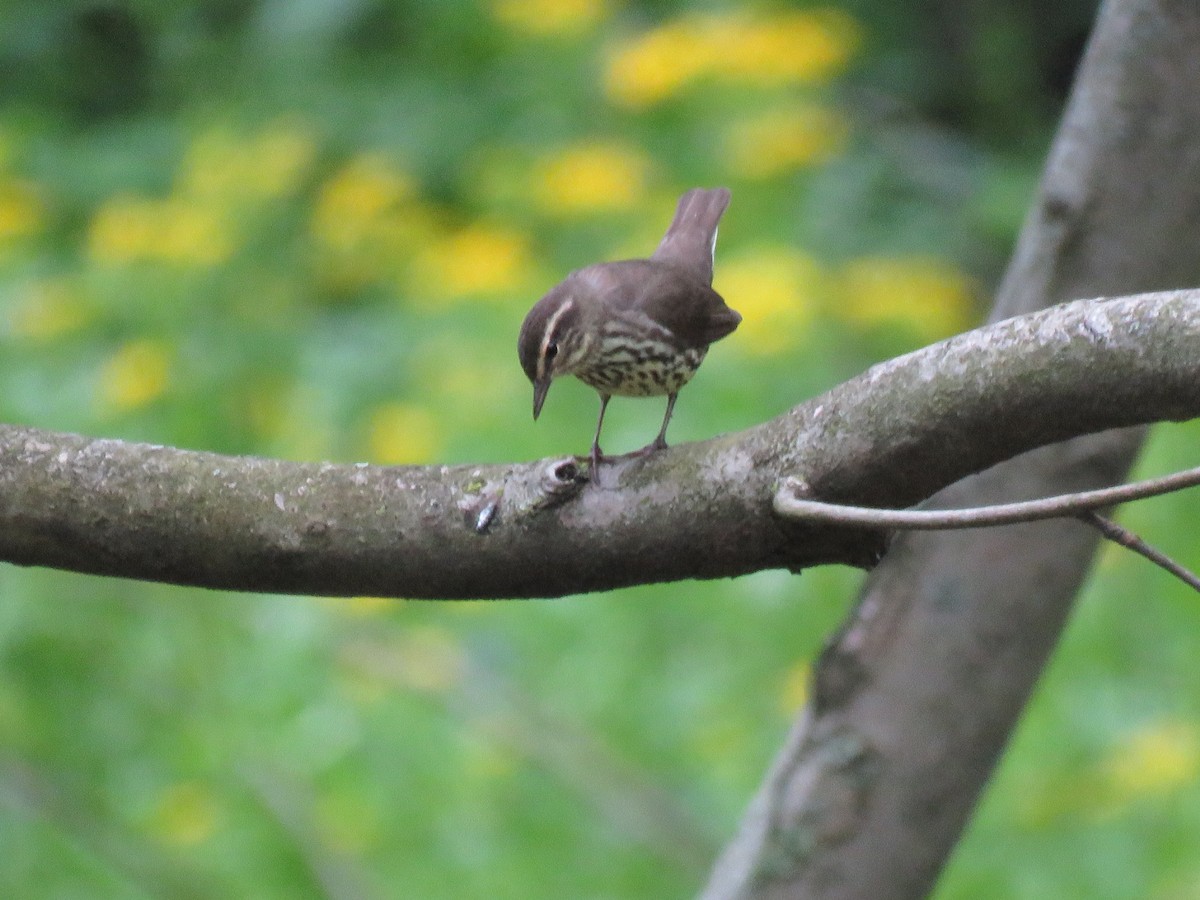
x: 311, y: 231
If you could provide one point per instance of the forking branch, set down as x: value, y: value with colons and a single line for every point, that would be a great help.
x: 791, y: 501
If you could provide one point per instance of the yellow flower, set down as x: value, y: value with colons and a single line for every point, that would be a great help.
x: 47, y: 309
x: 776, y: 290
x: 230, y: 168
x: 136, y: 375
x: 802, y: 46
x: 367, y: 222
x: 928, y: 294
x: 121, y: 230
x: 356, y: 198
x: 1159, y: 759
x: 129, y: 229
x: 22, y: 212
x: 213, y: 165
x: 399, y: 433
x: 196, y: 226
x: 363, y: 606
x: 549, y: 18
x: 657, y: 64
x: 782, y: 140
x: 186, y: 814
x: 479, y: 259
x: 795, y: 690
x: 191, y: 235
x: 282, y: 154
x: 591, y: 177
x: 798, y: 47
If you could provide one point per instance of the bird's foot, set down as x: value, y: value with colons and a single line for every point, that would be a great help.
x: 653, y: 447
x: 596, y: 457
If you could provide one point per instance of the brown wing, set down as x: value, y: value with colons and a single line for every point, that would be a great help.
x: 669, y: 295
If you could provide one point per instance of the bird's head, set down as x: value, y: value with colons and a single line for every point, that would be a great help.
x: 553, y: 341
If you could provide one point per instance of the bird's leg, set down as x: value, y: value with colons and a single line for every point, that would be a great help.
x: 660, y: 442
x: 596, y: 454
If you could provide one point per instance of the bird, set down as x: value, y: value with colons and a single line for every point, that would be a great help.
x: 634, y: 327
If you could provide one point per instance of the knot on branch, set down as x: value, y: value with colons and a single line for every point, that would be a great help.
x: 524, y: 490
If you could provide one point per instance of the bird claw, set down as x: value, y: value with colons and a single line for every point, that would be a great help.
x: 653, y: 447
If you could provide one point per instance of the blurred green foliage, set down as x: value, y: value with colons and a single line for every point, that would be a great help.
x: 311, y: 230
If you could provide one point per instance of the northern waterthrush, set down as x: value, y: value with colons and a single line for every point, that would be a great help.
x: 636, y: 327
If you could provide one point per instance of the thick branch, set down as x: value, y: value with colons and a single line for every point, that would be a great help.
x: 890, y: 437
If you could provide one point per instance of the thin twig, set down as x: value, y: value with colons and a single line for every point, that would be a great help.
x: 787, y: 503
x: 1126, y: 538
x: 1082, y: 506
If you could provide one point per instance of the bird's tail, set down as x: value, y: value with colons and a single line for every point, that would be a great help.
x: 691, y: 240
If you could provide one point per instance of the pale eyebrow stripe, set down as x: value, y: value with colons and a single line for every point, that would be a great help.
x: 558, y: 314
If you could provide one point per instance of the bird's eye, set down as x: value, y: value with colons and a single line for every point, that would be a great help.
x: 551, y: 350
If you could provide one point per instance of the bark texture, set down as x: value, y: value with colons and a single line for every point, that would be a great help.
x: 916, y: 697
x: 890, y: 437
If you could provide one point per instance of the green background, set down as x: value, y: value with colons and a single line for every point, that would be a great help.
x: 311, y: 230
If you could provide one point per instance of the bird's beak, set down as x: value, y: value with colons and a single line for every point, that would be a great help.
x: 541, y: 387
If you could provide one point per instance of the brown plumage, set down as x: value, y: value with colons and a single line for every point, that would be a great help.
x: 636, y: 327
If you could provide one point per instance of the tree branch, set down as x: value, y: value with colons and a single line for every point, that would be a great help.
x: 1126, y: 538
x: 792, y: 502
x: 890, y: 437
